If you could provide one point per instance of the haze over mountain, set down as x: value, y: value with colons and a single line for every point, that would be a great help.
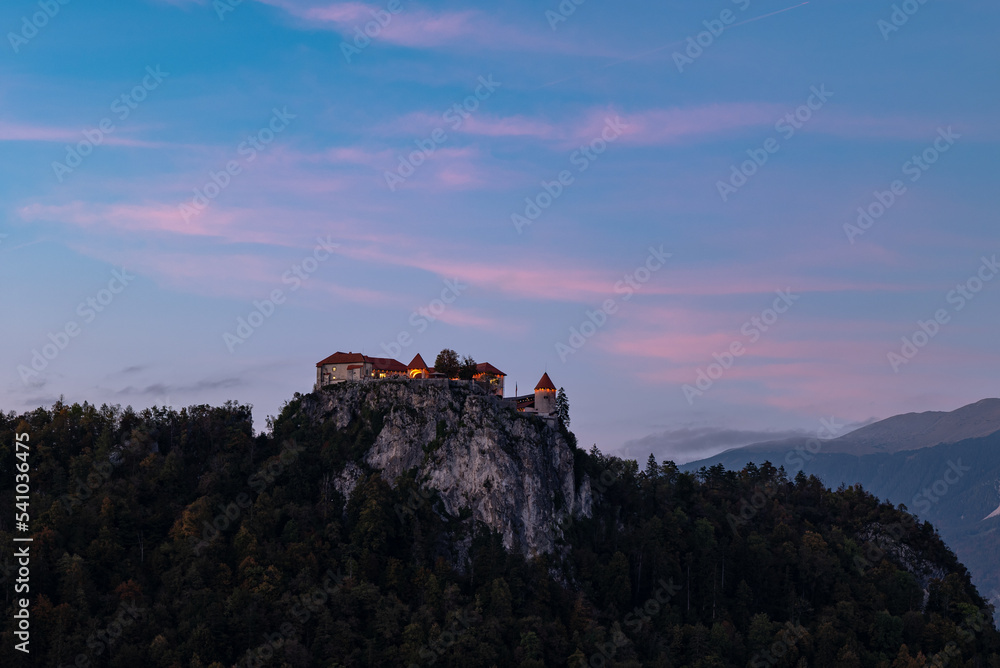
x: 913, y: 431
x: 691, y: 443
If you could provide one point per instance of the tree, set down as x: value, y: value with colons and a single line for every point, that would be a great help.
x: 447, y: 363
x: 652, y: 469
x: 467, y: 370
x: 562, y: 407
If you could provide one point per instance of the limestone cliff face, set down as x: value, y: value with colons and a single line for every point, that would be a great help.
x: 514, y: 472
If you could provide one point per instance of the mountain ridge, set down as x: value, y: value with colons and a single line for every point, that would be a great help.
x: 906, y: 431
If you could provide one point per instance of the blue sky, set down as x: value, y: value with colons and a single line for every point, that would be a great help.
x: 210, y: 153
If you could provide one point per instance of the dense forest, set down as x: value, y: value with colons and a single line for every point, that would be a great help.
x: 176, y: 539
x: 906, y: 477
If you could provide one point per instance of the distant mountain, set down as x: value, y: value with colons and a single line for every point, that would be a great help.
x: 911, y: 431
x: 943, y: 466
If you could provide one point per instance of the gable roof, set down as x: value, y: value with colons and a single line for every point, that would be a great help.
x: 386, y: 364
x: 343, y: 358
x: 545, y: 383
x: 378, y: 363
x: 486, y: 367
x: 417, y: 363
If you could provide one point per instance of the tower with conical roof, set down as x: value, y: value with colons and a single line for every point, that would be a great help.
x: 545, y: 396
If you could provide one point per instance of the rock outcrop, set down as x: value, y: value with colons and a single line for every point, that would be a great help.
x: 513, y: 472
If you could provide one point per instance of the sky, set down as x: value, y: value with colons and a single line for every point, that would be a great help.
x: 711, y: 223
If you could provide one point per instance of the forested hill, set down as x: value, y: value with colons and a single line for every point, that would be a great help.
x: 705, y: 570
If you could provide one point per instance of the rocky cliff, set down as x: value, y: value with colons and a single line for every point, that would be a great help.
x: 514, y: 472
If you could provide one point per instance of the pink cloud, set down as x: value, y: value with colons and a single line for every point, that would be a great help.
x: 340, y: 13
x: 651, y: 126
x: 519, y: 278
x: 646, y: 127
x: 128, y: 217
x: 510, y: 126
x: 791, y: 368
x: 479, y: 124
x: 448, y: 168
x: 19, y: 132
x: 237, y: 275
x: 420, y: 28
x: 360, y: 295
x: 461, y: 318
x: 668, y: 126
x: 561, y: 279
x: 454, y: 178
x: 229, y: 224
x: 428, y: 31
x: 657, y: 127
x: 518, y: 275
x: 687, y: 350
x: 855, y: 390
x: 36, y: 133
x: 410, y: 28
x: 352, y: 155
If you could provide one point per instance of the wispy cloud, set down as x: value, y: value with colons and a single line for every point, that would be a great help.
x: 643, y: 127
x: 550, y: 277
x: 152, y: 217
x: 21, y: 132
x: 166, y: 389
x: 416, y: 27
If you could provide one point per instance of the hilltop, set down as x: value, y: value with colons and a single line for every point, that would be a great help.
x: 396, y: 525
x: 513, y: 473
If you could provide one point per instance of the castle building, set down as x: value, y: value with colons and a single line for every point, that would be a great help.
x: 487, y: 373
x: 341, y: 367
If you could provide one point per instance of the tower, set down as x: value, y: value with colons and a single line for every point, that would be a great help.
x: 545, y: 396
x: 417, y: 368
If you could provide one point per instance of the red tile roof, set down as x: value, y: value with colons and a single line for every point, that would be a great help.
x: 486, y: 367
x: 342, y: 358
x: 357, y: 359
x: 545, y: 383
x: 386, y: 364
x: 389, y: 364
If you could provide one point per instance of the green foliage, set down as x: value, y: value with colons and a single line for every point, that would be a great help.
x: 222, y: 541
x: 562, y: 407
x: 447, y: 363
x: 467, y: 369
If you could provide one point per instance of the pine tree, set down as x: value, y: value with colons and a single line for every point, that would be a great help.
x: 562, y: 407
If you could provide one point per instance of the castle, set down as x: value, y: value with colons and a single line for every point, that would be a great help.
x: 342, y: 367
